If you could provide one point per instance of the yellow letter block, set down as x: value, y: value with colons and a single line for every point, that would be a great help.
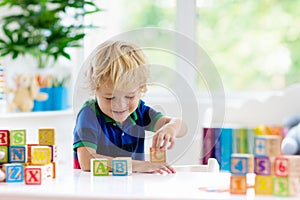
x: 46, y: 136
x: 40, y: 155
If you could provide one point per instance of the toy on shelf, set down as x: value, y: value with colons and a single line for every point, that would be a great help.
x: 26, y: 91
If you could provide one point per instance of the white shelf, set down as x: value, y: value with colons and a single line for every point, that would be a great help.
x: 68, y: 112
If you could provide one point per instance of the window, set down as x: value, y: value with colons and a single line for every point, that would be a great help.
x: 253, y: 44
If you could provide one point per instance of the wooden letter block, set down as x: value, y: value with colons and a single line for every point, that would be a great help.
x: 157, y: 155
x: 241, y: 164
x: 4, y: 138
x: 46, y: 136
x: 267, y: 145
x: 17, y: 137
x: 262, y: 165
x: 3, y: 154
x: 40, y: 155
x: 99, y: 167
x: 263, y: 185
x: 121, y: 166
x: 14, y: 172
x: 33, y: 175
x: 17, y: 154
x: 238, y: 184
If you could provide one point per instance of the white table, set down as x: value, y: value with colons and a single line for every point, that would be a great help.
x: 75, y: 184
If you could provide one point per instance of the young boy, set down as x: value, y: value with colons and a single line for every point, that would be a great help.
x: 114, y: 123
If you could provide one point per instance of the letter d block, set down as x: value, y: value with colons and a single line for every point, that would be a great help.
x: 33, y: 175
x: 157, y: 155
x: 17, y: 137
x: 99, y: 167
x: 14, y: 173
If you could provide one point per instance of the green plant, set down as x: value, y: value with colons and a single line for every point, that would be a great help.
x: 39, y: 28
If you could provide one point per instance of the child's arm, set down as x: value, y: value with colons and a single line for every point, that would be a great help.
x: 167, y: 129
x: 87, y: 153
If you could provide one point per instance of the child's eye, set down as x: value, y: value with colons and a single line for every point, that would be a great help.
x: 129, y: 97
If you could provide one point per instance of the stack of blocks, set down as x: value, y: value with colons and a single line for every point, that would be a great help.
x: 29, y: 163
x: 122, y: 166
x: 275, y: 174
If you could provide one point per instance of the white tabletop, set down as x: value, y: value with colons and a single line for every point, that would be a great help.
x: 75, y: 184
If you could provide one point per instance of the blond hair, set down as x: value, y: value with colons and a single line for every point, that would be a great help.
x: 119, y: 64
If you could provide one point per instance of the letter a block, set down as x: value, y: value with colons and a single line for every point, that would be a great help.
x: 99, y: 167
x: 121, y: 166
x: 17, y: 137
x: 33, y: 175
x: 157, y: 155
x: 46, y: 136
x: 14, y: 173
x: 238, y: 184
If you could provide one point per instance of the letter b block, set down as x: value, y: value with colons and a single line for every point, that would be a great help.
x: 99, y: 167
x: 122, y: 166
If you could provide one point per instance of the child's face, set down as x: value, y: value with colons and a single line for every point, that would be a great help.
x: 118, y: 105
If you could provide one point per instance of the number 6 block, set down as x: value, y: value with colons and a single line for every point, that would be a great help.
x: 287, y: 166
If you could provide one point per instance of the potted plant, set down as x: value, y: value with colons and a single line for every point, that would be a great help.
x: 44, y: 30
x: 41, y: 28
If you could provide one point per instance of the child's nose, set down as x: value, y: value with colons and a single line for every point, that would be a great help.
x: 120, y: 103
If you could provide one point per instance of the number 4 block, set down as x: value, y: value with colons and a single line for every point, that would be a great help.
x: 241, y: 164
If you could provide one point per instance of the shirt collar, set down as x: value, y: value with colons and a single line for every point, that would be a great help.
x: 132, y: 118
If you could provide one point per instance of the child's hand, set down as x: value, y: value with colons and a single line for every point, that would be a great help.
x: 147, y: 167
x: 164, y: 138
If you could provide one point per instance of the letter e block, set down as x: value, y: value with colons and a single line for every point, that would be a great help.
x: 157, y: 155
x: 33, y: 175
x: 46, y: 136
x: 17, y: 137
x: 238, y: 184
x: 4, y: 138
x: 99, y: 167
x: 263, y: 185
